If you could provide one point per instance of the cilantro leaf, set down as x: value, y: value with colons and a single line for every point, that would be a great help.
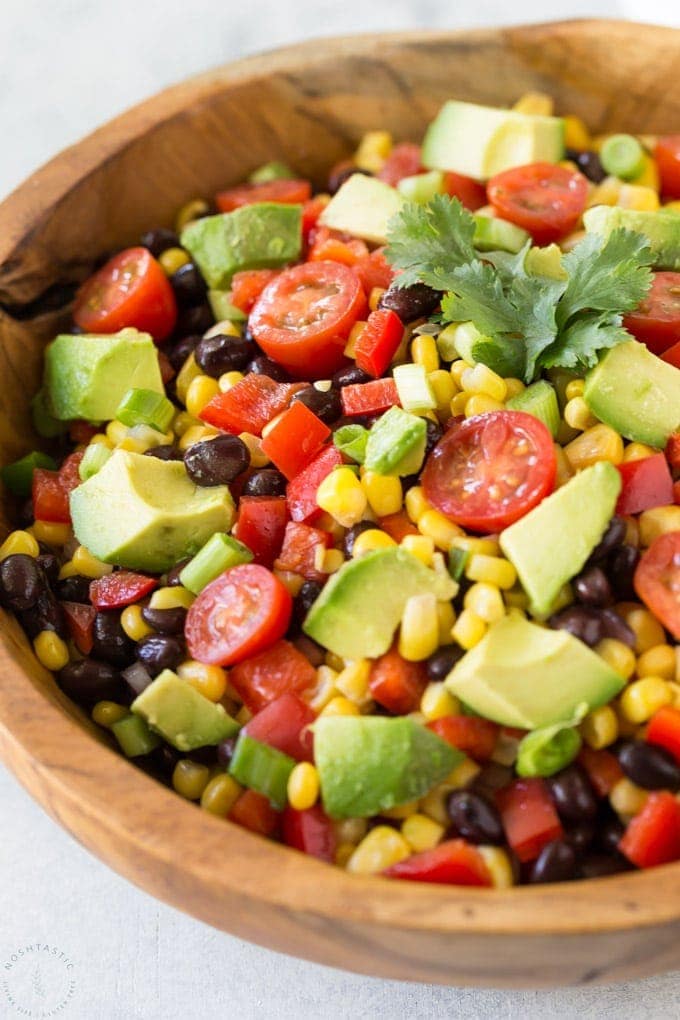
x: 536, y: 299
x: 476, y: 294
x: 429, y: 242
x: 578, y: 345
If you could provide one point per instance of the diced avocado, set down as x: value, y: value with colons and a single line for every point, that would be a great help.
x: 421, y: 187
x: 550, y: 544
x: 635, y: 393
x: 661, y: 228
x: 263, y: 235
x: 86, y: 376
x: 540, y: 400
x: 546, y: 262
x: 274, y: 171
x: 481, y: 141
x: 182, y: 716
x: 134, y: 736
x: 473, y: 347
x: 222, y: 308
x: 369, y: 764
x: 146, y: 514
x: 528, y: 676
x: 363, y: 207
x: 493, y: 234
x: 361, y: 606
x: 396, y: 443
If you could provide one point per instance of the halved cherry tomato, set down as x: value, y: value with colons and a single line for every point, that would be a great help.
x: 238, y: 614
x: 667, y: 156
x: 298, y: 552
x: 121, y: 588
x: 646, y: 483
x: 653, y: 835
x: 454, y: 862
x: 311, y: 211
x: 254, y: 812
x: 672, y: 355
x: 311, y: 831
x: 295, y: 439
x: 264, y: 677
x: 664, y: 730
x: 80, y: 622
x: 288, y: 192
x: 656, y: 321
x: 284, y: 724
x: 490, y: 470
x: 396, y: 684
x: 327, y: 247
x: 470, y: 193
x: 303, y: 317
x: 657, y: 580
x: 301, y: 492
x: 476, y: 737
x: 249, y: 405
x: 403, y: 161
x: 379, y: 341
x: 529, y: 817
x: 544, y: 198
x: 261, y: 525
x: 130, y: 290
x: 247, y: 286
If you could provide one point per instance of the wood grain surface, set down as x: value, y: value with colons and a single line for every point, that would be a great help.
x: 308, y: 105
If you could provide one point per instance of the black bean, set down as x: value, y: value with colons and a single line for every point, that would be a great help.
x: 555, y: 863
x: 303, y: 602
x: 410, y: 303
x: 608, y: 835
x: 591, y: 587
x: 350, y: 376
x: 159, y: 240
x: 111, y: 643
x: 326, y: 405
x: 474, y: 817
x: 613, y: 536
x: 225, y: 751
x: 165, y: 621
x: 165, y: 759
x: 89, y: 681
x: 352, y: 534
x: 204, y: 755
x: 178, y: 351
x: 266, y: 482
x: 614, y: 626
x: 50, y: 566
x: 265, y: 366
x: 195, y: 320
x: 74, y: 589
x: 580, y: 837
x: 441, y: 662
x: 165, y: 452
x: 588, y: 163
x: 343, y: 172
x: 601, y: 865
x: 26, y: 517
x: 572, y: 794
x: 22, y: 582
x: 651, y: 767
x: 216, y: 461
x: 585, y: 624
x: 433, y: 433
x: 172, y: 578
x: 188, y: 285
x: 621, y: 570
x: 158, y: 652
x: 218, y: 354
x: 46, y: 614
x: 311, y: 650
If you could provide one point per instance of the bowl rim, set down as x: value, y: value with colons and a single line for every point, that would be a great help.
x: 59, y: 761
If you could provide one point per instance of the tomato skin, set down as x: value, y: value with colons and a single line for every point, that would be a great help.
x: 656, y: 321
x: 403, y: 161
x: 278, y: 669
x: 295, y: 439
x: 653, y: 835
x: 285, y: 191
x: 667, y: 156
x: 375, y: 271
x: 284, y: 724
x: 130, y: 290
x: 396, y: 684
x: 249, y: 405
x: 379, y: 341
x: 121, y: 588
x: 398, y: 526
x: 326, y: 247
x: 543, y: 198
x: 477, y: 738
x: 672, y: 355
x: 301, y: 491
x: 656, y: 579
x: 254, y: 812
x: 310, y: 831
x: 261, y: 526
x: 81, y: 431
x: 238, y: 614
x: 369, y: 398
x: 664, y: 730
x: 80, y: 623
x: 247, y: 286
x: 646, y: 483
x: 529, y: 817
x: 454, y: 862
x: 602, y: 767
x: 50, y: 498
x: 478, y: 452
x: 298, y: 551
x: 311, y: 210
x: 469, y: 192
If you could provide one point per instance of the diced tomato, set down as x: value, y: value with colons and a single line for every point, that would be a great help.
x: 247, y: 286
x: 676, y: 492
x: 50, y: 498
x: 656, y: 320
x: 398, y: 526
x: 325, y: 246
x: 286, y: 191
x: 454, y: 862
x: 80, y: 622
x: 301, y: 491
x: 379, y: 341
x: 300, y: 543
x: 165, y: 367
x: 261, y: 526
x: 311, y: 210
x: 403, y: 161
x: 310, y: 831
x: 667, y: 156
x: 254, y: 812
x: 369, y: 398
x: 673, y: 451
x: 672, y: 355
x: 664, y: 730
x: 653, y: 835
x: 69, y: 474
x: 543, y: 198
x: 277, y: 670
x: 120, y: 588
x: 284, y: 724
x: 238, y: 614
x: 396, y: 684
x: 646, y: 483
x: 474, y: 736
x: 249, y: 405
x: 295, y: 439
x: 529, y: 817
x: 469, y: 192
x: 602, y: 767
x: 375, y: 271
x: 657, y: 580
x: 81, y: 431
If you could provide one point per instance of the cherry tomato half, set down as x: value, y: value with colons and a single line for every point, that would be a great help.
x: 545, y: 199
x: 490, y: 470
x: 286, y: 191
x: 656, y: 321
x: 667, y: 156
x: 657, y: 580
x: 303, y: 317
x: 238, y: 614
x: 403, y: 161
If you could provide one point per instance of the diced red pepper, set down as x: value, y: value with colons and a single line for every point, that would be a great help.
x: 397, y: 526
x: 529, y: 817
x: 298, y: 552
x: 50, y: 498
x: 295, y: 439
x: 602, y: 767
x: 284, y: 724
x: 249, y: 405
x: 286, y: 191
x: 474, y: 736
x: 646, y: 483
x: 396, y: 684
x: 375, y: 271
x: 673, y: 451
x: 369, y: 398
x: 311, y: 831
x: 275, y: 671
x: 121, y: 588
x: 311, y: 210
x: 454, y: 862
x: 653, y: 835
x: 378, y: 342
x: 80, y: 622
x: 664, y: 730
x: 254, y: 812
x: 403, y: 161
x: 247, y: 286
x: 301, y: 491
x: 469, y: 192
x: 261, y: 526
x: 327, y: 247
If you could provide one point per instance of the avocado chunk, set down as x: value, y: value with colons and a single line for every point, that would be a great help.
x: 481, y: 141
x: 363, y: 207
x: 361, y: 606
x: 263, y: 235
x: 524, y: 675
x: 635, y: 393
x: 369, y: 764
x: 146, y: 514
x: 396, y: 443
x: 661, y: 228
x: 494, y: 234
x: 87, y: 376
x: 186, y: 719
x: 550, y: 544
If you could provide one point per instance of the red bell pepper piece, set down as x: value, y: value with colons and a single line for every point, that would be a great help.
x: 475, y: 737
x: 298, y: 552
x: 529, y: 817
x: 121, y: 588
x: 664, y: 730
x: 396, y: 684
x: 326, y: 247
x: 279, y: 669
x: 602, y: 767
x: 397, y: 526
x: 295, y: 439
x: 469, y: 192
x: 454, y: 862
x: 301, y: 491
x: 254, y: 812
x: 286, y: 191
x: 311, y: 210
x: 50, y: 498
x: 673, y: 451
x: 80, y: 622
x: 284, y: 724
x: 375, y: 271
x: 249, y: 405
x: 646, y: 483
x: 378, y: 342
x: 369, y: 398
x: 403, y: 161
x: 653, y: 835
x: 261, y: 526
x: 310, y: 831
x: 247, y: 286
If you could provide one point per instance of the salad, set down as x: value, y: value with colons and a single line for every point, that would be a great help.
x: 360, y: 524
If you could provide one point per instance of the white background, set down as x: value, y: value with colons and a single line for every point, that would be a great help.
x: 66, y: 66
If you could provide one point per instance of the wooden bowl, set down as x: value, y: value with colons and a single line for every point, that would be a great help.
x: 308, y: 105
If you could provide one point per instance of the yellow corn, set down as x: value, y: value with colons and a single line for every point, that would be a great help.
x: 419, y: 633
x: 600, y: 728
x: 632, y: 536
x: 291, y: 581
x: 373, y: 150
x: 577, y: 414
x: 195, y: 434
x: 633, y: 196
x: 19, y: 542
x: 353, y: 338
x: 401, y: 811
x: 210, y: 681
x: 420, y: 546
x: 516, y: 599
x: 340, y: 705
x: 116, y: 432
x: 383, y: 493
x: 486, y: 601
x: 190, y: 779
x: 189, y: 212
x: 133, y: 624
x: 342, y: 496
x: 50, y: 532
x: 186, y: 375
x: 171, y: 597
x: 657, y: 661
x: 343, y: 853
x: 352, y: 682
x: 576, y: 134
x: 480, y: 403
x: 537, y: 104
x: 415, y: 503
x: 228, y: 380
x: 658, y: 521
x: 335, y: 662
x: 513, y: 387
x: 437, y: 702
x: 574, y: 388
x: 50, y: 650
x: 172, y: 259
x: 483, y: 381
x: 303, y: 786
x: 101, y: 439
x: 439, y: 528
x: 374, y: 297
x: 382, y: 847
x: 106, y: 713
x: 477, y: 546
x: 370, y: 540
x: 424, y: 352
x: 468, y: 630
x: 447, y: 618
x: 330, y: 560
x: 647, y: 629
x: 220, y: 794
x: 627, y: 799
x: 351, y: 830
x: 421, y: 833
x: 499, y: 866
x: 564, y: 468
x: 458, y: 404
x: 258, y: 458
x: 644, y: 697
x: 597, y: 443
x: 200, y: 392
x: 444, y: 389
x: 88, y: 565
x: 183, y: 421
x: 494, y: 570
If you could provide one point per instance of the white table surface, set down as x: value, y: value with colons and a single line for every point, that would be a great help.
x: 65, y: 67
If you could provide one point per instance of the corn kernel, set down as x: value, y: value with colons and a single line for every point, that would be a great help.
x: 468, y: 630
x: 419, y: 633
x: 50, y: 532
x: 374, y: 298
x: 600, y: 728
x: 486, y: 601
x: 183, y: 421
x: 437, y: 702
x: 330, y: 560
x: 564, y: 468
x: 341, y: 495
x: 447, y: 617
x: 335, y: 662
x: 494, y: 570
x: 627, y: 799
x: 635, y: 196
x: 352, y: 682
x: 106, y: 713
x: 439, y: 528
x: 479, y: 403
x: 482, y: 380
x: 477, y: 546
x: 19, y: 543
x: 647, y: 629
x: 303, y: 786
x: 444, y: 389
x: 88, y: 565
x: 228, y: 380
x: 536, y: 104
x: 577, y: 414
x: 424, y: 352
x: 401, y: 811
x: 133, y: 624
x: 200, y: 392
x: 576, y: 134
x: 658, y: 521
x: 383, y: 492
x: 173, y: 259
x: 350, y: 830
x: 513, y: 387
x: 516, y: 598
x: 340, y: 705
x: 597, y: 443
x: 220, y: 794
x: 208, y: 680
x: 415, y: 503
x: 50, y: 650
x: 190, y: 211
x: 100, y: 438
x: 457, y: 369
x: 116, y: 432
x: 642, y: 698
x: 657, y: 661
x: 186, y: 375
x: 632, y: 536
x: 458, y: 404
x: 195, y: 434
x: 190, y: 779
x: 373, y: 150
x: 243, y: 716
x: 370, y: 540
x: 291, y: 581
x: 637, y: 451
x: 419, y: 546
x: 343, y: 853
x: 574, y: 388
x: 171, y: 597
x: 421, y: 833
x: 498, y: 865
x: 381, y: 848
x: 353, y: 338
x: 258, y: 458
